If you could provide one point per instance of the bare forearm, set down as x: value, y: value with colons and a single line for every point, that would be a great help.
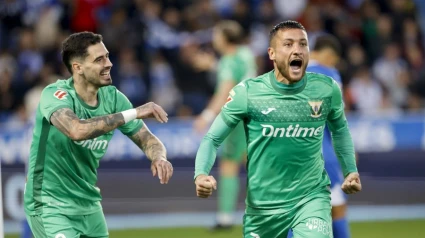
x: 220, y: 97
x: 150, y: 144
x: 68, y: 123
x: 217, y: 103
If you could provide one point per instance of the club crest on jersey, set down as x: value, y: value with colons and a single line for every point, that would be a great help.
x: 60, y: 94
x: 316, y: 108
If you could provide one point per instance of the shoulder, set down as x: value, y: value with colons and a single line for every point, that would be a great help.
x: 245, y: 52
x: 319, y: 78
x: 255, y: 82
x: 59, y: 89
x: 59, y: 84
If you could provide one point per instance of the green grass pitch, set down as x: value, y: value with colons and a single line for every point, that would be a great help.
x: 384, y: 229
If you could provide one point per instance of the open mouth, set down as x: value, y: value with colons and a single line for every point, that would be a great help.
x: 296, y: 65
x: 105, y: 73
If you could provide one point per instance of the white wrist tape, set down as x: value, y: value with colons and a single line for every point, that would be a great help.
x: 129, y: 115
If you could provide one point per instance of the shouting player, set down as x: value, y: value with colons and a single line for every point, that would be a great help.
x: 75, y: 121
x: 236, y: 64
x: 284, y: 113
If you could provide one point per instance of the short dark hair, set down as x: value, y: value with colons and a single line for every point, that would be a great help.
x: 75, y: 46
x: 289, y: 24
x: 232, y: 31
x: 328, y: 42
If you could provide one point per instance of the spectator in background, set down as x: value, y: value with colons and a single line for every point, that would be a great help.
x: 84, y: 14
x: 30, y: 60
x: 163, y: 88
x: 31, y: 30
x: 11, y: 14
x: 114, y: 29
x: 415, y: 58
x: 8, y: 67
x: 367, y: 95
x: 130, y: 77
x: 389, y: 69
x: 192, y: 82
x: 356, y: 58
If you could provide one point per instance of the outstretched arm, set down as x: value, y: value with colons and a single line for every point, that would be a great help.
x: 68, y: 122
x: 155, y: 151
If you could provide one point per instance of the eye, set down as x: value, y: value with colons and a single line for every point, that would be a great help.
x: 303, y: 44
x: 287, y: 44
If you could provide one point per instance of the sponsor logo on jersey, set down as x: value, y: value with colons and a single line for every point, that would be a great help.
x: 320, y: 226
x: 291, y: 131
x: 316, y: 108
x: 60, y: 94
x: 93, y: 144
x: 254, y: 235
x: 270, y: 109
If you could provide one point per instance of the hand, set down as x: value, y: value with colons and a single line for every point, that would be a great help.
x: 150, y: 110
x: 205, y: 185
x: 200, y: 124
x: 163, y: 168
x: 352, y: 183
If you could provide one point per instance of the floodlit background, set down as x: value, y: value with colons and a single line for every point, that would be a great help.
x: 153, y: 45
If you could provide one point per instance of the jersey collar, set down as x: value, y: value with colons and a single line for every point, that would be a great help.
x: 84, y: 104
x: 287, y: 89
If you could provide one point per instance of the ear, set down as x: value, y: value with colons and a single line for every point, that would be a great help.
x: 77, y: 67
x: 271, y: 53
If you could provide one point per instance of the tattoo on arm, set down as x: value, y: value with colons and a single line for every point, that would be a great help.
x: 149, y: 143
x: 68, y: 123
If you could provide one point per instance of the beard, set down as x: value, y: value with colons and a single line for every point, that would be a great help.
x: 284, y: 70
x: 97, y: 80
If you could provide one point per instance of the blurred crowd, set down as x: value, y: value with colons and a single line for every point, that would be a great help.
x: 154, y: 45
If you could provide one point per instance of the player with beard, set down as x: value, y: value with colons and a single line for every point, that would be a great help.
x: 284, y: 113
x: 74, y: 123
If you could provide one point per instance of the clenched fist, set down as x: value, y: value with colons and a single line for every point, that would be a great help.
x: 352, y: 184
x: 205, y: 185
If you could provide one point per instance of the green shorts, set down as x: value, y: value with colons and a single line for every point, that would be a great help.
x: 68, y: 226
x: 311, y: 220
x: 234, y: 146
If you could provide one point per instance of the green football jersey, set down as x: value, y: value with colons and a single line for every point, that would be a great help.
x: 284, y: 126
x: 237, y: 67
x: 62, y: 173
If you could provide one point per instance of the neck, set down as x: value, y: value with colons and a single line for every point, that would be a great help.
x: 86, y: 91
x: 280, y: 78
x: 230, y: 49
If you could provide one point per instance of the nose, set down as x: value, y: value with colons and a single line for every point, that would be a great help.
x: 108, y: 63
x: 297, y: 49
